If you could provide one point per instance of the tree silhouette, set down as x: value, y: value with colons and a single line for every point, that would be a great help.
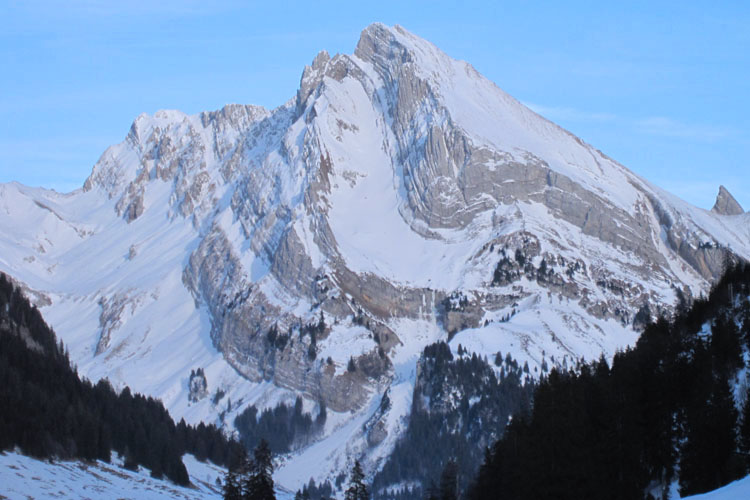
x: 258, y: 483
x: 357, y: 489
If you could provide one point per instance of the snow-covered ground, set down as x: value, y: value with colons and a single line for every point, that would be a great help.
x: 738, y: 490
x: 25, y: 478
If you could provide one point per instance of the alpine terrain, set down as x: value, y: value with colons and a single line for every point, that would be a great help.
x: 249, y: 256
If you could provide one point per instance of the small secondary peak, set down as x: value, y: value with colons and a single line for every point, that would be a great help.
x: 726, y: 204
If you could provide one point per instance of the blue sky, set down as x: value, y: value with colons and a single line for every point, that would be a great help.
x: 662, y: 87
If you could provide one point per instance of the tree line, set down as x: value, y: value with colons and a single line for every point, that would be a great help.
x: 252, y: 479
x: 283, y: 427
x: 469, y: 403
x: 664, y: 411
x: 47, y: 411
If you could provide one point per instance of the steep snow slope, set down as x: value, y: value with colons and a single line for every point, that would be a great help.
x: 400, y: 196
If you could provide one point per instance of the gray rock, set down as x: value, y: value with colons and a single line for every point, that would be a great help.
x: 726, y: 204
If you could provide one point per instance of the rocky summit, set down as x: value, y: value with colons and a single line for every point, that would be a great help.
x: 314, y: 249
x: 726, y: 204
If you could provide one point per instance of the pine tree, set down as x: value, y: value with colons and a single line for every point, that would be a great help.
x: 258, y: 484
x: 303, y: 494
x: 745, y: 432
x: 725, y: 343
x: 709, y: 457
x: 357, y: 489
x: 231, y: 488
x: 432, y: 492
x: 449, y: 481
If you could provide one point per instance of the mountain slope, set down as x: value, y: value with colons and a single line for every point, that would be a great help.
x: 672, y: 410
x: 48, y: 412
x: 400, y: 196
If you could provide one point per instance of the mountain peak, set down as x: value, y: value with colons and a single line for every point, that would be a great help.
x: 377, y: 41
x: 726, y: 204
x: 379, y: 44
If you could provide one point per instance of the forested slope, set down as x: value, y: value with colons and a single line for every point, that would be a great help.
x: 47, y: 411
x: 673, y: 408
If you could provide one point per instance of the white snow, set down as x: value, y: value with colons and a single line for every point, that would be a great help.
x: 533, y: 334
x: 492, y: 117
x: 364, y: 203
x: 23, y: 477
x: 343, y: 342
x: 733, y: 491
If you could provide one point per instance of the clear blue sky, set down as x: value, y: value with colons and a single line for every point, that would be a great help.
x: 661, y: 87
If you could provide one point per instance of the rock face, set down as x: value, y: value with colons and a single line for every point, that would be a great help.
x: 726, y: 204
x: 399, y: 197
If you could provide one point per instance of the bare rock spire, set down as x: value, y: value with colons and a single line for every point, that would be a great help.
x: 726, y: 204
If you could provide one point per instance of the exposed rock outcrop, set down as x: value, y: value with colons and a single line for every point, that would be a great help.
x: 726, y: 204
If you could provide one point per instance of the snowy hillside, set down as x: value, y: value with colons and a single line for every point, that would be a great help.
x: 22, y: 477
x: 401, y: 197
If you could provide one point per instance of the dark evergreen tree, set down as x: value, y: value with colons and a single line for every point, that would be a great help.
x: 258, y: 484
x: 284, y: 427
x: 312, y: 491
x: 725, y: 344
x: 745, y: 432
x: 357, y: 488
x: 231, y: 487
x: 709, y: 457
x: 432, y: 492
x: 449, y: 481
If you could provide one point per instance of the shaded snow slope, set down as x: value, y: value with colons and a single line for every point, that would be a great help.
x: 22, y: 477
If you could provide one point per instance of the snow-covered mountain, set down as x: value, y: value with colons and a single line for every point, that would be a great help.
x: 399, y: 198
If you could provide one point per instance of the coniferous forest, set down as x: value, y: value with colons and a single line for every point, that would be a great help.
x: 672, y: 408
x: 283, y: 427
x: 251, y: 478
x: 469, y: 404
x: 47, y: 411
